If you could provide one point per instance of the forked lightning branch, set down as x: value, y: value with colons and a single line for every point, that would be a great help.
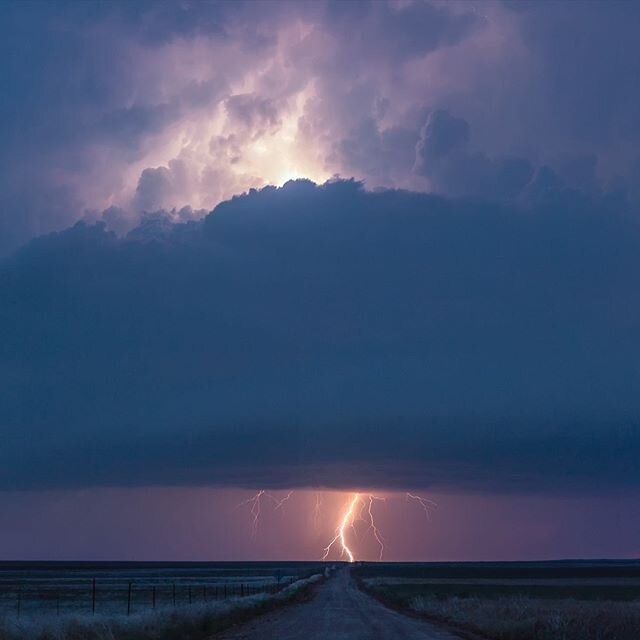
x: 359, y: 507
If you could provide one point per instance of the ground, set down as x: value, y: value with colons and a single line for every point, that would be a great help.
x: 338, y: 611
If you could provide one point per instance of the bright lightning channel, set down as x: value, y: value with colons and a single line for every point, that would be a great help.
x: 372, y: 525
x: 346, y: 521
x: 359, y: 507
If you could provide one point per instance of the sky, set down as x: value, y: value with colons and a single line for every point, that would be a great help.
x: 319, y: 247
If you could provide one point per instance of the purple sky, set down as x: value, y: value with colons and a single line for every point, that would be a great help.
x: 451, y: 309
x: 208, y: 524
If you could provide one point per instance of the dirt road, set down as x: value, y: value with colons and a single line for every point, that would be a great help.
x: 339, y: 611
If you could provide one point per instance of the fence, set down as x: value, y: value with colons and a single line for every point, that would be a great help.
x: 130, y: 597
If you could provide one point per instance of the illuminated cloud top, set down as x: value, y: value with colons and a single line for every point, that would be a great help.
x: 113, y: 109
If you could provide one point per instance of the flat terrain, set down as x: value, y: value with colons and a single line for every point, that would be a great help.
x: 572, y: 600
x: 338, y: 611
x: 52, y: 588
x: 577, y: 580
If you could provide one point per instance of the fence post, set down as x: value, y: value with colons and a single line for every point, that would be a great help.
x: 93, y: 596
x: 57, y: 603
x: 225, y: 591
x: 19, y: 601
x: 129, y: 599
x: 241, y: 590
x: 153, y: 597
x: 204, y: 592
x: 174, y: 595
x: 189, y: 594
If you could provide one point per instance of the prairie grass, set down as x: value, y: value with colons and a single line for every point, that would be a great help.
x: 518, y: 618
x: 191, y: 622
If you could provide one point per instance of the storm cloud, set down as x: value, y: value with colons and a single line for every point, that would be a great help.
x: 329, y: 336
x: 134, y: 107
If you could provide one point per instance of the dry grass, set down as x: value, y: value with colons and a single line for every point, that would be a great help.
x: 195, y: 622
x: 535, y: 619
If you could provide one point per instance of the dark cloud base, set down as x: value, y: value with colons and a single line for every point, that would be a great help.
x: 329, y: 336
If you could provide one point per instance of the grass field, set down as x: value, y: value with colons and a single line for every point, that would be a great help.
x: 517, y: 601
x: 123, y: 587
x: 196, y: 621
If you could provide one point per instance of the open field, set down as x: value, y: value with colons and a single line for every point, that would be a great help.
x: 516, y: 601
x: 196, y: 621
x: 123, y: 588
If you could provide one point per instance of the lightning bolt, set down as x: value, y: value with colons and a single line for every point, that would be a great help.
x: 358, y: 507
x: 254, y: 501
x: 279, y: 503
x: 372, y: 525
x: 346, y: 521
x: 426, y: 504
